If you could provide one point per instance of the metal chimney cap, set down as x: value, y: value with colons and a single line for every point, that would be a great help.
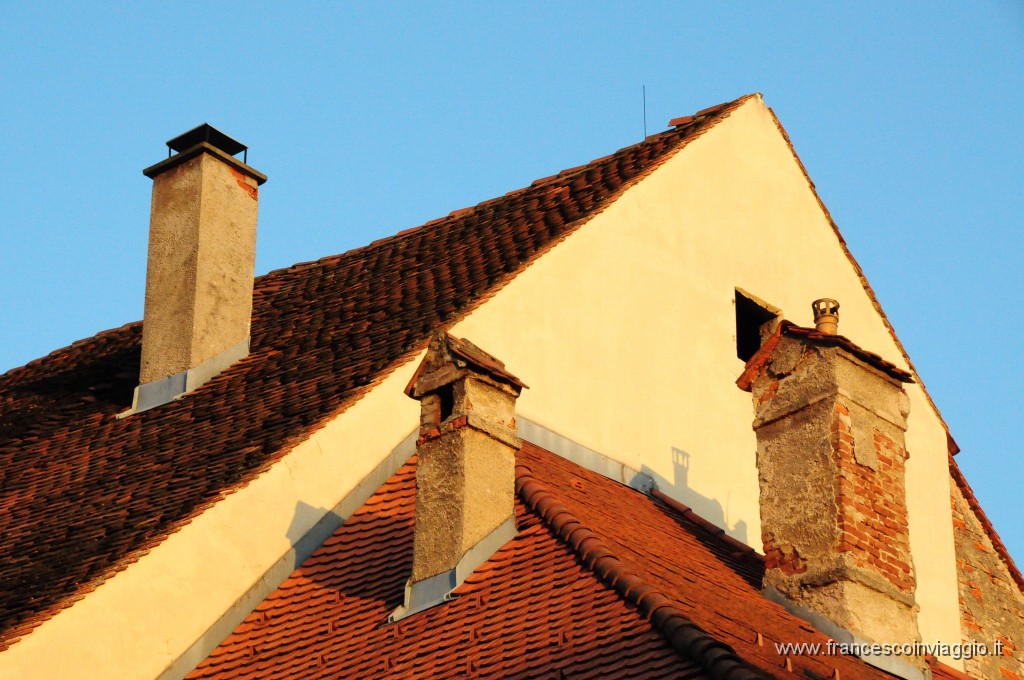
x: 826, y: 315
x: 205, y: 139
x: 209, y: 134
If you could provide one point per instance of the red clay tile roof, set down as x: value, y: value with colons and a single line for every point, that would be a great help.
x: 469, y: 353
x: 83, y: 494
x: 578, y: 593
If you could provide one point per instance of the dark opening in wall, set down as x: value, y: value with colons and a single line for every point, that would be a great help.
x: 754, y: 323
x: 447, y: 394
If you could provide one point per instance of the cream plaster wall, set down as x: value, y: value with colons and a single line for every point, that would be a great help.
x: 625, y: 333
x: 144, y: 618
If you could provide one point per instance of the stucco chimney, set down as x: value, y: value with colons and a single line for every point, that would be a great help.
x: 830, y: 419
x: 465, y: 470
x: 199, y: 278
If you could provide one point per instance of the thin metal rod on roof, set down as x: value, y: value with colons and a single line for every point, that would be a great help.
x: 644, y: 86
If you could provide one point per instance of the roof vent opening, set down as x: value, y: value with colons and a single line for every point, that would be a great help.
x: 446, y: 395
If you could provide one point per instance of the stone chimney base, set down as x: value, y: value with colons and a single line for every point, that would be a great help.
x: 854, y: 599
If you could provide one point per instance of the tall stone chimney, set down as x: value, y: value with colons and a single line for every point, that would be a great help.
x: 830, y: 419
x: 465, y: 470
x: 199, y: 278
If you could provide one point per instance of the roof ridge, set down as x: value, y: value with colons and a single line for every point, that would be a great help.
x: 690, y: 640
x: 105, y: 334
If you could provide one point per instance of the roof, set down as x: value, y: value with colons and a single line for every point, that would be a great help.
x: 83, y: 494
x: 578, y: 593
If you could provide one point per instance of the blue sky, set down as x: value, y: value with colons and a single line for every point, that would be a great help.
x: 374, y: 118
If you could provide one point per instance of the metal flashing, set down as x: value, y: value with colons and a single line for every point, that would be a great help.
x: 890, y: 664
x: 160, y: 392
x: 435, y: 590
x: 584, y: 457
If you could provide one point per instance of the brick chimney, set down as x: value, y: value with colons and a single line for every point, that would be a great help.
x: 830, y: 419
x: 199, y: 278
x: 465, y: 470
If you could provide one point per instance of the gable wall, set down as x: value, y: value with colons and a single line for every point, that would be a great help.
x: 991, y: 605
x: 625, y: 333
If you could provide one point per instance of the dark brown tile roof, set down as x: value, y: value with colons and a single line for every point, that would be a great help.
x: 579, y: 593
x: 83, y: 494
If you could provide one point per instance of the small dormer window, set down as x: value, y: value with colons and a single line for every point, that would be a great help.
x: 755, y: 321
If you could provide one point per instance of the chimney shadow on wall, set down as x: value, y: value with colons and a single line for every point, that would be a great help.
x: 678, y: 487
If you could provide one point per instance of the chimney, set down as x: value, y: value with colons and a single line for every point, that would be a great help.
x: 826, y: 316
x: 199, y: 278
x: 830, y: 419
x: 465, y: 470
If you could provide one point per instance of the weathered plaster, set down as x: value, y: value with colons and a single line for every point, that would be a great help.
x: 834, y: 521
x: 625, y: 332
x: 991, y: 605
x: 465, y: 470
x: 202, y: 250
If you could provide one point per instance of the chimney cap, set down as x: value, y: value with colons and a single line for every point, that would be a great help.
x: 209, y: 134
x: 205, y: 139
x: 826, y: 315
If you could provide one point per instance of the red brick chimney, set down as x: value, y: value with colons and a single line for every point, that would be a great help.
x: 830, y: 419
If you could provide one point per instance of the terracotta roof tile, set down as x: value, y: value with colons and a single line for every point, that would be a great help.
x: 578, y: 593
x: 86, y: 494
x: 788, y: 328
x: 531, y: 611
